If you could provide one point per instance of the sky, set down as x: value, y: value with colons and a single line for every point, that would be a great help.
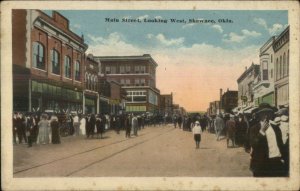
x: 194, y: 60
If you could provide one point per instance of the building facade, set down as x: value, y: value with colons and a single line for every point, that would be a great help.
x: 282, y: 61
x: 137, y: 76
x: 91, y: 85
x: 229, y: 101
x: 245, y: 86
x: 48, y: 63
x: 166, y: 104
x: 263, y: 86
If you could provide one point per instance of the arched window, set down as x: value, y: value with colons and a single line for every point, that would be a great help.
x: 280, y: 67
x: 77, y: 70
x: 284, y: 65
x: 86, y: 80
x: 90, y: 82
x: 55, y: 61
x: 67, y: 67
x: 38, y: 56
x: 95, y: 83
x: 277, y: 69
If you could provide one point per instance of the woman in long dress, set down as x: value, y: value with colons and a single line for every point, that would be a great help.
x: 55, y: 130
x: 43, y: 130
x: 82, y: 126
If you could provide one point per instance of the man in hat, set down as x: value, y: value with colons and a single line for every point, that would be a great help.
x: 231, y: 130
x: 266, y: 153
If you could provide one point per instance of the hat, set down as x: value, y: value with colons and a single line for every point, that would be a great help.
x: 232, y: 116
x: 276, y: 121
x: 197, y: 122
x: 284, y: 118
x: 265, y: 108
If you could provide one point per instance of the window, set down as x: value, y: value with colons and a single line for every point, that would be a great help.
x: 143, y: 69
x: 38, y: 56
x: 86, y: 80
x: 77, y: 70
x: 55, y: 61
x: 265, y: 70
x: 113, y: 70
x: 122, y: 81
x: 122, y: 69
x: 284, y: 66
x: 127, y: 69
x: 280, y: 68
x: 89, y: 82
x: 107, y: 70
x: 67, y: 67
x: 143, y: 82
x: 136, y: 69
x: 277, y: 69
x: 137, y: 82
x: 271, y: 73
x: 95, y: 83
x: 127, y: 82
x: 271, y: 58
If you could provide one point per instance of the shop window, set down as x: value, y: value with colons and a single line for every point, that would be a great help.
x: 38, y: 56
x: 67, y: 67
x: 77, y: 70
x: 55, y: 61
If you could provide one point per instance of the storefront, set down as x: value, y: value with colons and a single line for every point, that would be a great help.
x: 46, y: 96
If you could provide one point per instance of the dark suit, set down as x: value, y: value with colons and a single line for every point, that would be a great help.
x: 260, y: 164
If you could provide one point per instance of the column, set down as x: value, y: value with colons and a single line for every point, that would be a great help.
x: 98, y: 102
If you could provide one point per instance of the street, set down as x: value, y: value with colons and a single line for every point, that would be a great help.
x: 157, y: 151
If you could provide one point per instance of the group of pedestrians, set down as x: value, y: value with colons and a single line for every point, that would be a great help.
x: 34, y: 128
x: 264, y: 134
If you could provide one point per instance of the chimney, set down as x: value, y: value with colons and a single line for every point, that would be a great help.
x: 246, y: 68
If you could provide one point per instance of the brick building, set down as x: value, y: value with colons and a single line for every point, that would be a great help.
x: 91, y: 85
x: 229, y: 101
x: 137, y: 76
x: 48, y: 62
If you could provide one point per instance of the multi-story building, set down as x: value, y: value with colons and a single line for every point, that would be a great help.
x: 214, y: 108
x: 48, y: 62
x: 229, y: 101
x: 91, y: 85
x: 282, y: 61
x: 166, y: 104
x: 263, y: 86
x: 137, y: 76
x: 245, y: 86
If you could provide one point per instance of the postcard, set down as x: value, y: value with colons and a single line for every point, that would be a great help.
x: 153, y: 95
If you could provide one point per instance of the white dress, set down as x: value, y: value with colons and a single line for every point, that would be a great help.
x: 82, y: 126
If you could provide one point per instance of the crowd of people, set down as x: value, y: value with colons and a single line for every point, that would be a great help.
x: 45, y: 128
x: 263, y: 133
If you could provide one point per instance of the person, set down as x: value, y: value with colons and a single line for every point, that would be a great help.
x: 197, y: 134
x: 241, y: 131
x: 102, y: 125
x: 179, y: 121
x: 30, y: 130
x: 134, y: 125
x: 82, y: 125
x: 87, y: 126
x: 231, y: 130
x: 92, y: 123
x: 219, y: 126
x: 175, y: 121
x: 43, y: 137
x: 118, y: 124
x: 54, y: 130
x: 267, y: 146
x: 127, y: 126
x: 98, y: 125
x: 76, y: 124
x: 14, y: 128
x: 284, y: 127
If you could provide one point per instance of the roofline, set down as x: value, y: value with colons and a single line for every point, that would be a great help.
x: 247, y: 71
x: 125, y: 58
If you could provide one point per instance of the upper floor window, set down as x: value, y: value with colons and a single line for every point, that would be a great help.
x: 284, y: 65
x: 86, y: 80
x: 107, y: 70
x: 127, y: 69
x: 265, y: 70
x: 38, y: 56
x: 67, y: 67
x: 122, y: 69
x: 288, y: 62
x: 95, y: 83
x: 55, y: 61
x: 137, y: 82
x: 77, y: 70
x: 136, y: 69
x: 127, y: 82
x: 271, y: 58
x: 143, y: 69
x: 280, y: 67
x: 113, y: 70
x: 277, y: 69
x: 143, y: 82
